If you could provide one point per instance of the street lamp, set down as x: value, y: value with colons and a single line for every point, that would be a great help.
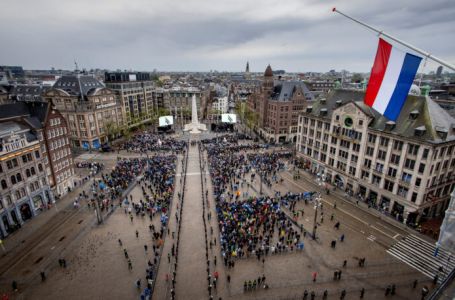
x: 317, y: 202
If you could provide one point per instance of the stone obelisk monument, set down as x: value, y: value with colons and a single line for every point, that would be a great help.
x: 194, y: 126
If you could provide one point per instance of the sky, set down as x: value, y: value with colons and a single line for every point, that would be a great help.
x: 204, y: 35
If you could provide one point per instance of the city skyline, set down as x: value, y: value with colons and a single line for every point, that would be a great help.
x: 201, y: 36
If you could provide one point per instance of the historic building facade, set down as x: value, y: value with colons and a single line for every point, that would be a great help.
x: 405, y: 169
x: 88, y: 107
x: 52, y: 132
x: 276, y: 106
x: 24, y: 186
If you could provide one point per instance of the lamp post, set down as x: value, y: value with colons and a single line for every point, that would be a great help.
x: 317, y: 202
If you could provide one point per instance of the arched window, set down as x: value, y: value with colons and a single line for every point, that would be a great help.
x: 19, y: 177
x: 18, y: 195
x: 23, y: 192
x: 9, y: 200
x: 32, y: 187
x: 4, y: 185
x: 13, y: 179
x: 40, y: 167
x: 33, y: 170
x: 27, y: 172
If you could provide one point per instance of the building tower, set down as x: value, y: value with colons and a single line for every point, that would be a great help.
x: 247, y: 71
x: 268, y: 80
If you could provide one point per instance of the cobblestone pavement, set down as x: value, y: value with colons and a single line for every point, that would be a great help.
x: 97, y: 268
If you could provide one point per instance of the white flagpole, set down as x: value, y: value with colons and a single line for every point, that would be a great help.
x: 426, y: 54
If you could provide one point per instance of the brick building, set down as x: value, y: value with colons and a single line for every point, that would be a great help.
x: 277, y: 104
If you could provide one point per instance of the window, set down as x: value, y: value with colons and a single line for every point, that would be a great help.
x: 13, y: 179
x: 27, y: 173
x: 414, y: 197
x: 365, y: 175
x: 397, y: 145
x: 383, y: 141
x: 379, y: 167
x: 388, y: 185
x: 376, y: 180
x: 370, y: 151
x: 406, y: 177
x: 371, y: 138
x: 32, y: 170
x: 425, y: 153
x: 37, y: 154
x: 418, y: 181
x: 352, y: 171
x: 356, y: 147
x: 381, y: 154
x: 421, y: 168
x: 409, y: 163
x: 345, y: 144
x: 413, y: 149
x: 4, y: 185
x: 395, y: 159
x: 367, y: 163
x: 402, y: 191
x: 334, y: 140
x: 40, y: 167
x: 392, y: 172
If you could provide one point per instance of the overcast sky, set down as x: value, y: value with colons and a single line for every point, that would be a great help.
x: 202, y: 35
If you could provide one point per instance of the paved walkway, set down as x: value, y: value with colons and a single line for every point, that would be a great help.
x: 162, y: 287
x: 191, y: 274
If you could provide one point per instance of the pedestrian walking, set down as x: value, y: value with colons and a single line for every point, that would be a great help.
x: 137, y: 234
x: 345, y: 262
x: 229, y: 278
x: 387, y: 290
x: 392, y: 289
x: 343, y: 294
x: 43, y: 276
x: 145, y: 248
x: 130, y: 265
x: 169, y: 258
x: 14, y: 285
x: 362, y: 293
x: 315, y: 275
x: 425, y: 292
x: 312, y: 295
x: 342, y: 238
x: 120, y: 242
x: 414, y: 284
x: 305, y: 295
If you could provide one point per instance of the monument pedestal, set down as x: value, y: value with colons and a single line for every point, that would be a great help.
x: 194, y: 127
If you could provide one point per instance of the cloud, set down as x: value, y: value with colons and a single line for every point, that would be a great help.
x: 201, y: 35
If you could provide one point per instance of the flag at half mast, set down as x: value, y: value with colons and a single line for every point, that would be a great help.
x: 391, y: 78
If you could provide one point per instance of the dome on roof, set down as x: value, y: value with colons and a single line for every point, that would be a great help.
x: 268, y: 72
x: 414, y: 90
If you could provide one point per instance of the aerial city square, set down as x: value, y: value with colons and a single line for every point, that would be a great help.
x: 227, y: 150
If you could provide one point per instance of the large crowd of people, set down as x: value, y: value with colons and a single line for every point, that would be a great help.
x: 255, y: 226
x: 147, y: 141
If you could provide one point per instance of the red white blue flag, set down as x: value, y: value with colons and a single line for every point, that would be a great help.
x: 391, y: 78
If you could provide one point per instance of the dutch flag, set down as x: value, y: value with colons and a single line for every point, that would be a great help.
x: 391, y: 78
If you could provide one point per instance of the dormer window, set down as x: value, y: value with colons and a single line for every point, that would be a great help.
x: 390, y: 125
x: 414, y: 114
x: 420, y: 131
